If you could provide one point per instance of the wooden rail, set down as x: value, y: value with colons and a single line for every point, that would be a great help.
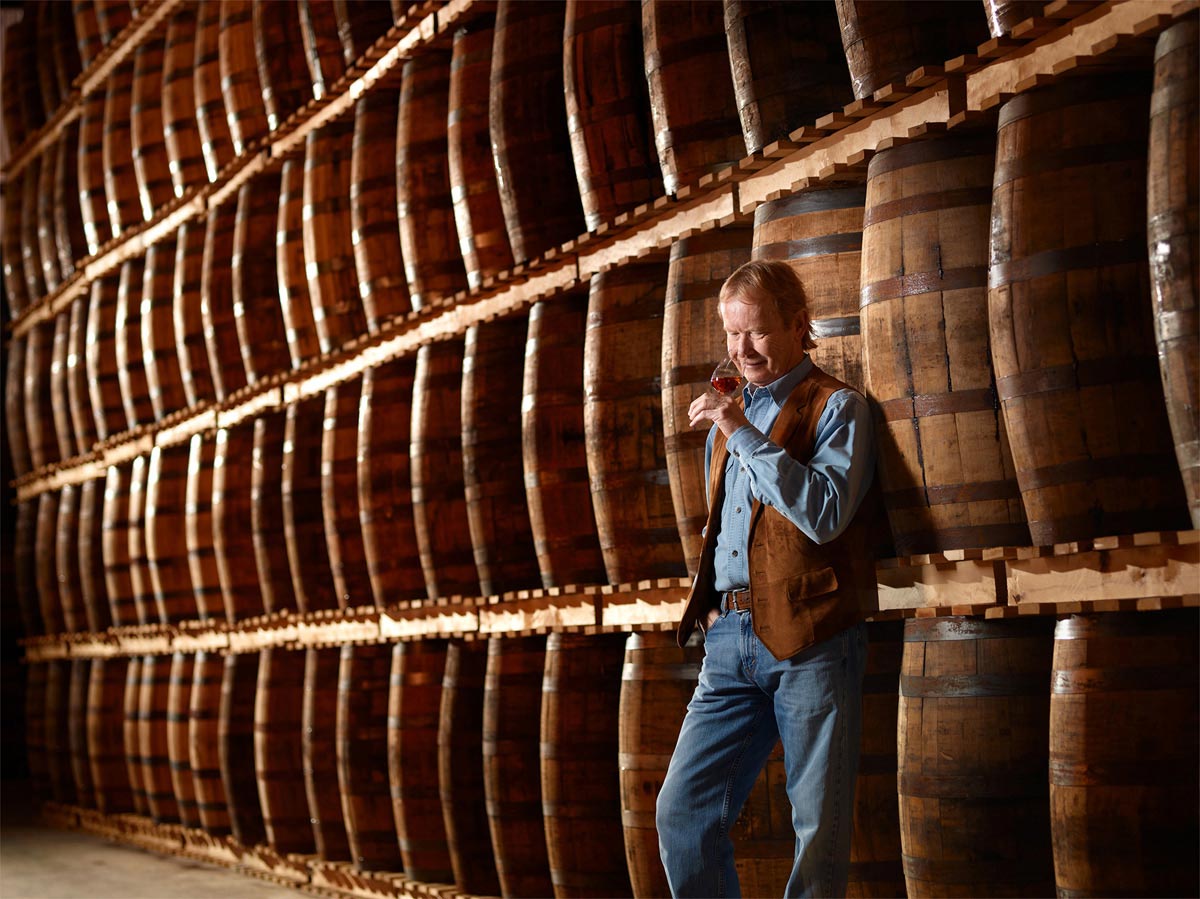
x: 1137, y: 572
x: 1069, y: 37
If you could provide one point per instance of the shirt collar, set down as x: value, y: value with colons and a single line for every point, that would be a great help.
x: 781, y: 388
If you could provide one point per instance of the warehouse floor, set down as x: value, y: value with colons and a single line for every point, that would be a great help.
x: 43, y: 863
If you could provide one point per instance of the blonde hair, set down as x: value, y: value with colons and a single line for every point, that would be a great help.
x: 776, y: 283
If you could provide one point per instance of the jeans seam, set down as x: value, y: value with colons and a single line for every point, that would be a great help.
x: 723, y: 831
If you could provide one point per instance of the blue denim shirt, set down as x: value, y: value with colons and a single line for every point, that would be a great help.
x: 820, y: 498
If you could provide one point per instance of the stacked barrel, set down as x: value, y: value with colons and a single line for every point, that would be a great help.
x: 1003, y: 337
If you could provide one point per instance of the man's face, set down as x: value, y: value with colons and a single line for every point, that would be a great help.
x: 759, y: 343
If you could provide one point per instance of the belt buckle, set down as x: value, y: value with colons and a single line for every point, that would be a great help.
x: 736, y: 600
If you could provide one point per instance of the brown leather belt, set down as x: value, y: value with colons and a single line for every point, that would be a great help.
x: 736, y: 600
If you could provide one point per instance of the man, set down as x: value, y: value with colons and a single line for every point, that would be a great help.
x: 786, y: 576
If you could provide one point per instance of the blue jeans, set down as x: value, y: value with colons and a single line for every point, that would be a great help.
x: 746, y: 700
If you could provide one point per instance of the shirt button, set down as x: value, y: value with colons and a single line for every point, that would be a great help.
x: 735, y: 553
x: 738, y: 509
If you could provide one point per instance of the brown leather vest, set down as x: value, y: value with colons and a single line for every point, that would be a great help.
x: 801, y: 592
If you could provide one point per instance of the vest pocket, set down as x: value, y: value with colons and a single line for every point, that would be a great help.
x: 808, y: 584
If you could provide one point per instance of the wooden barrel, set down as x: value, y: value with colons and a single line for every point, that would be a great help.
x: 120, y: 184
x: 216, y: 307
x: 886, y: 41
x: 93, y: 587
x: 972, y: 736
x: 240, y: 88
x: 257, y: 316
x: 1173, y: 235
x: 497, y: 511
x: 153, y: 696
x: 553, y: 445
x: 139, y: 564
x: 657, y: 680
x: 106, y: 734
x: 39, y: 400
x: 93, y: 201
x: 693, y: 343
x: 944, y: 462
x: 788, y: 68
x: 876, y: 860
x: 339, y: 496
x: 215, y: 144
x: 87, y: 30
x: 322, y: 47
x: 45, y: 553
x: 112, y: 16
x: 1002, y: 15
x: 267, y: 517
x: 1071, y: 322
x: 461, y: 766
x: 303, y: 524
x: 482, y: 237
x: 67, y: 212
x: 414, y: 703
x: 530, y: 141
x: 626, y: 457
x: 187, y: 312
x: 204, y: 727
x: 198, y: 530
x: 131, y: 368
x: 159, y: 346
x: 233, y: 527
x: 151, y: 165
x: 279, y: 54
x: 35, y: 731
x: 378, y: 258
x: 581, y: 789
x: 328, y: 248
x: 438, y: 497
x: 83, y: 421
x: 359, y: 24
x: 385, y: 482
x: 14, y: 407
x: 512, y: 702
x: 179, y: 717
x: 319, y: 752
x: 129, y: 730
x: 33, y: 110
x: 44, y: 27
x: 47, y: 240
x: 608, y: 109
x: 692, y: 104
x: 16, y: 294
x: 118, y: 581
x: 278, y: 761
x: 66, y: 560
x: 1124, y: 754
x: 764, y: 842
x: 16, y: 50
x: 299, y: 326
x: 166, y: 534
x: 108, y: 409
x: 57, y: 733
x: 181, y: 132
x: 433, y: 263
x: 236, y: 747
x: 31, y: 251
x: 362, y: 757
x: 81, y: 765
x: 60, y: 398
x: 25, y: 563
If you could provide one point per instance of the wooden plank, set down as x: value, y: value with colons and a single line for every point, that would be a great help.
x: 544, y: 612
x: 1122, y: 573
x: 432, y: 620
x: 972, y: 582
x: 659, y: 602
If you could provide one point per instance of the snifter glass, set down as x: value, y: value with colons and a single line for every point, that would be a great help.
x: 725, y: 377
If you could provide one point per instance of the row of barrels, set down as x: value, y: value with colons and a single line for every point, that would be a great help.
x: 990, y: 295
x: 998, y: 758
x: 625, y: 103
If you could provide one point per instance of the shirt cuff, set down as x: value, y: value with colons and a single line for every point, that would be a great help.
x: 745, y: 441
